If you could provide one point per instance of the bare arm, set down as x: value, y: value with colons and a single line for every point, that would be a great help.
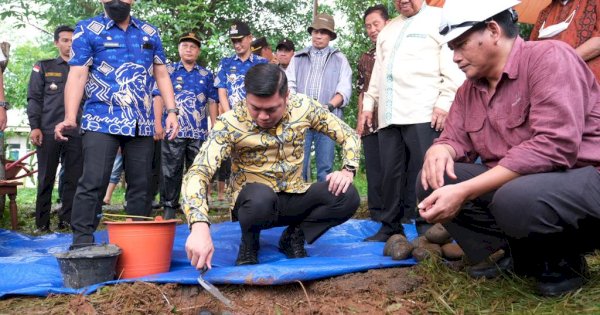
x: 213, y: 112
x: 590, y: 49
x: 78, y: 76
x: 163, y: 81
x: 159, y: 132
x: 223, y: 101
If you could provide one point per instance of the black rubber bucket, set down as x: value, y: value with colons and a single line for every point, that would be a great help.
x: 88, y: 265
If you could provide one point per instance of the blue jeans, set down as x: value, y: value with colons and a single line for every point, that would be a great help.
x: 324, y: 155
x: 115, y: 174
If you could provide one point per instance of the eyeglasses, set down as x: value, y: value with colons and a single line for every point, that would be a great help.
x: 446, y: 29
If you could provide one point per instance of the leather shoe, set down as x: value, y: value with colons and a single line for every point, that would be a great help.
x: 561, y: 276
x: 383, y: 236
x: 291, y: 243
x: 247, y: 255
x: 492, y: 266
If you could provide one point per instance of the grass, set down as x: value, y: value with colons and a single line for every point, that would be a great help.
x: 450, y: 292
x: 443, y: 291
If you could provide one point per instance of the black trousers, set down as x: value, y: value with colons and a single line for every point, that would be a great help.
x: 176, y: 155
x: 48, y: 156
x: 99, y: 151
x: 156, y: 171
x: 535, y: 216
x: 374, y: 175
x: 317, y: 210
x: 402, y: 148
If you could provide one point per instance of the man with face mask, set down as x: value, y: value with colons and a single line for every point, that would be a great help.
x: 575, y: 22
x: 45, y: 109
x: 116, y: 60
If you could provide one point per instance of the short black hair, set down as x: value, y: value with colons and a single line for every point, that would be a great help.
x: 60, y: 29
x: 266, y: 79
x: 377, y: 8
x: 507, y: 20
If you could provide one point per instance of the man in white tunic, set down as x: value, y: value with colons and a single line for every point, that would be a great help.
x: 413, y: 84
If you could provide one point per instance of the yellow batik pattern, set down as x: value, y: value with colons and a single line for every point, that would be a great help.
x: 269, y: 156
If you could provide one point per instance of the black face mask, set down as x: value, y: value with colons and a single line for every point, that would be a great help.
x: 117, y: 10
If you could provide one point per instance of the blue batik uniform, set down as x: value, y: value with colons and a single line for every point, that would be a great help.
x: 118, y: 90
x: 193, y: 91
x: 231, y: 73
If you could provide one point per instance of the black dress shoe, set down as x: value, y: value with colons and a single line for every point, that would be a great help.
x: 561, y: 276
x: 491, y: 267
x: 383, y: 234
x: 247, y: 255
x: 291, y: 243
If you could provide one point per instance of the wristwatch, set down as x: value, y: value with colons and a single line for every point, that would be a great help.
x: 350, y: 168
x: 4, y: 104
x: 173, y: 110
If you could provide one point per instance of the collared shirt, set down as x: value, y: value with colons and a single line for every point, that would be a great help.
x: 194, y: 90
x: 269, y: 156
x: 119, y: 87
x: 45, y: 95
x: 317, y: 62
x: 536, y: 121
x: 231, y: 73
x: 413, y: 71
x: 585, y: 25
x: 366, y: 62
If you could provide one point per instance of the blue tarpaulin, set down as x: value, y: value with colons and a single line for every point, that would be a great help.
x: 28, y: 267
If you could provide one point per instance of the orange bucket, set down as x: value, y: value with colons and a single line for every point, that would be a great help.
x: 146, y: 246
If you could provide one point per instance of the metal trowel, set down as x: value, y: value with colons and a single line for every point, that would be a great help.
x: 212, y: 289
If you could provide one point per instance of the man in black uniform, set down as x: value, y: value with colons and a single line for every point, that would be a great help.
x: 45, y: 109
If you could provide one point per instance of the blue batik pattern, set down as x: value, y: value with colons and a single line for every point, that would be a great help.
x: 231, y: 73
x: 118, y: 90
x: 194, y: 90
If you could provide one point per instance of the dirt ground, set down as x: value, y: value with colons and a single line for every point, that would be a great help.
x: 381, y: 291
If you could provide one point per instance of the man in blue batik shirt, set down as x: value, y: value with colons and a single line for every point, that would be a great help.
x: 194, y: 94
x: 232, y: 70
x: 113, y: 58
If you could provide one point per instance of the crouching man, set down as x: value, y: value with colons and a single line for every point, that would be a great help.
x: 265, y: 139
x: 530, y: 111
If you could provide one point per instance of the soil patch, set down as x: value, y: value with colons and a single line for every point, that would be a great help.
x: 373, y: 292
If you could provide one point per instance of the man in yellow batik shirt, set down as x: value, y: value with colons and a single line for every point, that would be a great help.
x: 265, y: 139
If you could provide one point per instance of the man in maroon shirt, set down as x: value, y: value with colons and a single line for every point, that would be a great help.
x: 531, y: 112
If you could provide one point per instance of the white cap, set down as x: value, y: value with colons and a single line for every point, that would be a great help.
x: 458, y: 16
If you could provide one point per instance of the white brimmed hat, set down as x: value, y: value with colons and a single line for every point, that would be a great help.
x: 458, y: 16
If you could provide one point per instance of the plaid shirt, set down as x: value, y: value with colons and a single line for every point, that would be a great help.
x: 317, y: 58
x: 365, y: 68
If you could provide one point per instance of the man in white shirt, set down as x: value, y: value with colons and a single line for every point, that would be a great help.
x: 413, y: 84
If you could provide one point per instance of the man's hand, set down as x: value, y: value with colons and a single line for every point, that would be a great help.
x: 438, y: 119
x: 62, y: 127
x: 199, y: 246
x: 443, y: 204
x: 159, y: 132
x: 437, y: 160
x: 172, y: 126
x: 339, y: 181
x: 367, y: 120
x: 360, y: 125
x: 36, y: 137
